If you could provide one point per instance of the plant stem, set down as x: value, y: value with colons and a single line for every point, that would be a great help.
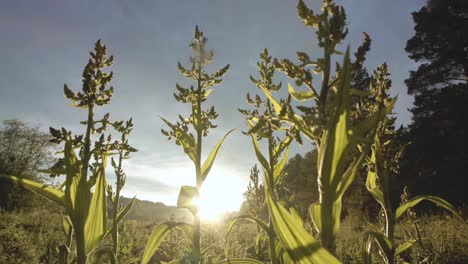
x: 80, y: 245
x: 79, y: 223
x: 196, y: 229
x: 115, y: 231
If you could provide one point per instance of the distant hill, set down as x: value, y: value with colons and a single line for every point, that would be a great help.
x: 147, y: 211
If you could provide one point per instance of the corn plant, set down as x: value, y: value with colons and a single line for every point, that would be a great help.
x: 85, y: 210
x: 327, y: 121
x: 263, y: 123
x: 288, y: 240
x: 201, y: 121
x: 124, y: 151
x: 382, y: 165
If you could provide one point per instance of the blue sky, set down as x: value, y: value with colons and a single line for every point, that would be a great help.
x: 45, y: 44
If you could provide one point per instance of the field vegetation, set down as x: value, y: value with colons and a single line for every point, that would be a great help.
x: 350, y: 199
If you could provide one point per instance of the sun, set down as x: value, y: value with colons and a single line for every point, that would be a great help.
x: 220, y: 193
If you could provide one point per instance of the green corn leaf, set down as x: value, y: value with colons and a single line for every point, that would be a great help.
x: 123, y: 212
x: 240, y: 261
x: 371, y: 184
x: 66, y: 223
x: 263, y: 161
x: 403, y: 247
x: 335, y: 137
x: 296, y: 216
x: 206, y: 167
x: 314, y: 211
x: 385, y: 245
x: 282, y: 146
x: 157, y: 236
x: 74, y: 186
x: 95, y: 226
x: 45, y: 191
x: 350, y: 174
x: 186, y: 196
x: 306, y: 130
x: 303, y: 95
x: 273, y: 101
x: 414, y: 201
x: 252, y: 219
x: 207, y: 92
x: 258, y: 239
x: 300, y: 245
x: 280, y: 166
x: 187, y: 142
x: 332, y: 158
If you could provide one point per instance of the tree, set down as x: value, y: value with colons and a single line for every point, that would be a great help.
x: 23, y: 151
x: 435, y: 160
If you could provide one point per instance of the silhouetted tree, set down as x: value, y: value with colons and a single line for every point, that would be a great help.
x: 436, y: 160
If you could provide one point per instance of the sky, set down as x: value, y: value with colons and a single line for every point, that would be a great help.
x: 45, y: 44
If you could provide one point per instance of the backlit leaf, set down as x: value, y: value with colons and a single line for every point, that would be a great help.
x: 186, y: 141
x: 45, y: 191
x: 186, y: 197
x: 206, y: 167
x: 414, y: 201
x: 403, y: 247
x: 95, y: 226
x: 301, y: 246
x: 302, y: 95
x: 156, y: 237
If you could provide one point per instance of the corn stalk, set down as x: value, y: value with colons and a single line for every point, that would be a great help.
x: 327, y: 121
x: 201, y: 121
x: 383, y: 164
x: 86, y: 211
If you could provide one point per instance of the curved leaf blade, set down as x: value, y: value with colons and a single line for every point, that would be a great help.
x: 263, y: 161
x: 186, y: 196
x: 403, y: 247
x: 385, y: 245
x: 206, y: 167
x: 300, y: 245
x: 156, y: 237
x: 302, y: 96
x: 43, y: 190
x: 95, y: 226
x: 280, y: 166
x: 414, y: 201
